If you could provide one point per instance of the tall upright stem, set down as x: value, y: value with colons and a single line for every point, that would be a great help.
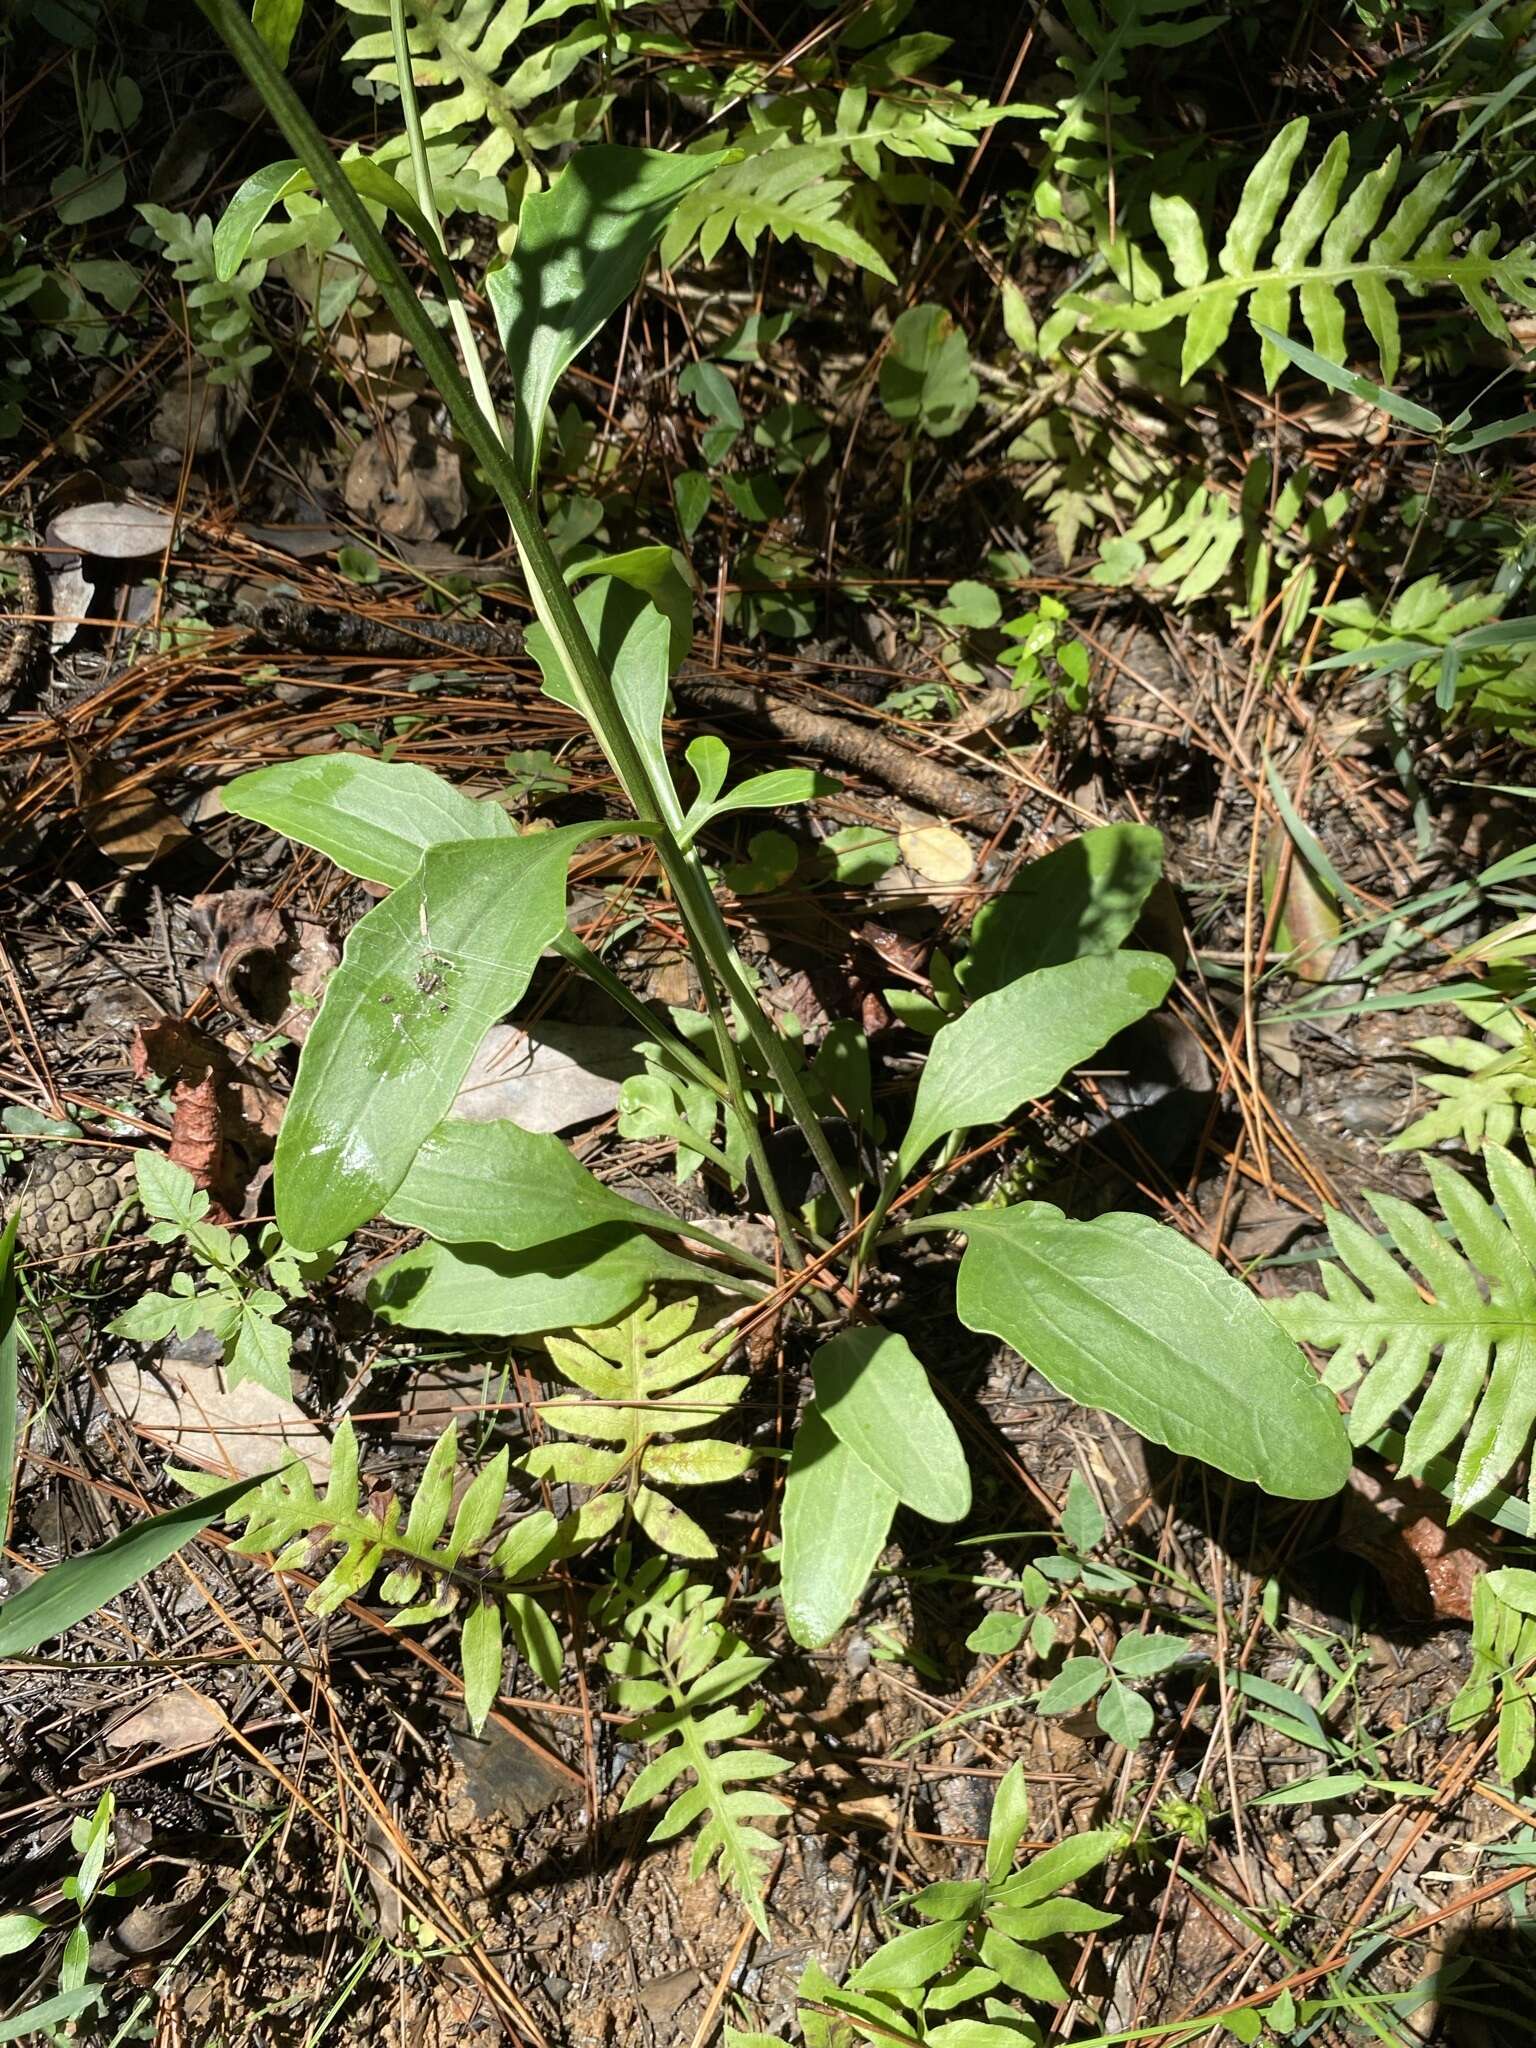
x: 551, y: 597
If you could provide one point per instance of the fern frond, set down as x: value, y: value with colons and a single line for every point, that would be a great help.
x: 1317, y: 242
x: 1089, y: 115
x: 930, y: 125
x: 1503, y: 1675
x: 1490, y: 1092
x: 432, y: 1569
x: 1494, y: 684
x: 679, y: 1667
x: 462, y: 60
x: 633, y: 1370
x: 220, y: 316
x: 798, y: 192
x: 1473, y: 1338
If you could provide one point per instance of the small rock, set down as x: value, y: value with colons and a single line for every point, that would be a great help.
x: 663, y: 1997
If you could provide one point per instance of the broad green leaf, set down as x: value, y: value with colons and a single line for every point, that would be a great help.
x: 252, y: 202
x: 1010, y: 1819
x: 266, y: 188
x: 68, y: 1592
x: 582, y: 244
x: 1079, y: 1680
x: 1124, y: 1716
x: 873, y: 1394
x: 1081, y: 898
x: 836, y: 1518
x: 478, y: 1290
x: 1515, y: 1587
x: 496, y: 1183
x: 18, y: 1931
x: 926, y: 379
x: 480, y: 1650
x: 1148, y: 1656
x: 276, y: 22
x: 1082, y: 1519
x: 710, y: 760
x: 912, y: 1959
x: 422, y: 978
x: 662, y: 577
x: 9, y: 1388
x: 949, y: 1900
x: 633, y: 642
x: 1017, y: 1043
x: 1052, y: 1917
x: 261, y: 1353
x: 374, y: 818
x: 1125, y: 1315
x: 996, y: 1634
x: 1054, y: 1869
x: 1022, y: 1970
x: 774, y: 791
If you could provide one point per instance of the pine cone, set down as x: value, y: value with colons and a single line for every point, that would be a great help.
x: 71, y: 1195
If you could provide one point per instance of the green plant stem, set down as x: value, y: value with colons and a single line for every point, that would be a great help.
x: 923, y: 1226
x: 596, y: 969
x: 458, y: 312
x: 550, y: 594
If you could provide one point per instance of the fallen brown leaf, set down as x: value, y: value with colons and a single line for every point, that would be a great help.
x: 549, y: 1077
x: 197, y: 1130
x: 269, y: 967
x: 192, y: 1412
x: 125, y: 819
x: 174, y: 1720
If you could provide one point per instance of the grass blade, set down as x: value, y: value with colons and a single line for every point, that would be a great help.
x: 8, y: 1386
x: 76, y: 1588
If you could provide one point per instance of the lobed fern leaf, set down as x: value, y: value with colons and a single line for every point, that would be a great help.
x: 1466, y: 1323
x: 800, y: 191
x: 1502, y: 1680
x: 220, y: 315
x: 1490, y: 1092
x: 1092, y: 129
x: 1315, y: 241
x: 633, y: 1371
x: 461, y: 54
x: 678, y: 1667
x: 469, y: 1566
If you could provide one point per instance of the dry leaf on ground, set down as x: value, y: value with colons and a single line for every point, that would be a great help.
x: 407, y: 479
x: 174, y: 1720
x: 194, y: 1414
x: 116, y: 531
x: 269, y: 967
x: 125, y: 819
x: 549, y: 1077
x: 937, y: 852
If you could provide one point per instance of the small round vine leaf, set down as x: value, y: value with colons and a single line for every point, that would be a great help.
x: 1125, y: 1315
x: 872, y: 1392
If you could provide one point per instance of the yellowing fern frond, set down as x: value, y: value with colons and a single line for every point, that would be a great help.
x: 651, y: 1378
